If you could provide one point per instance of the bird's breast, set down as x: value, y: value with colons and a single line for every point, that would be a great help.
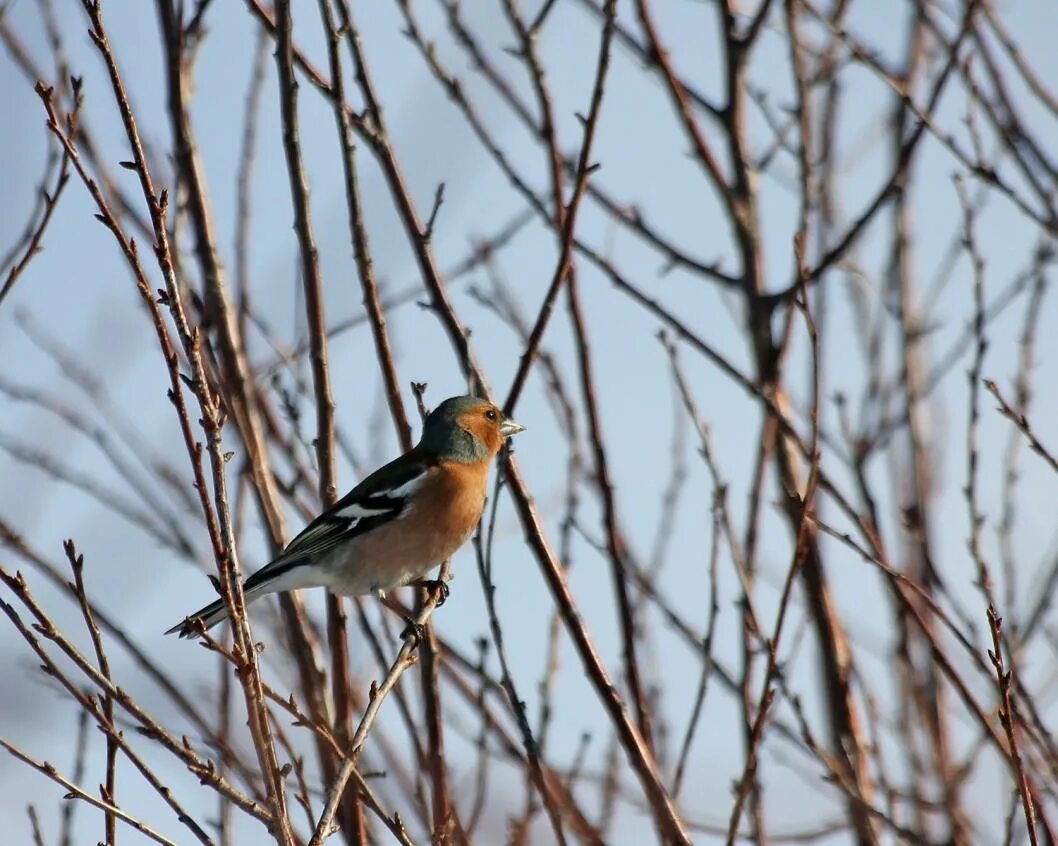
x: 436, y: 521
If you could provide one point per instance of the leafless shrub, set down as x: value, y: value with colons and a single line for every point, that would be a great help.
x: 779, y: 572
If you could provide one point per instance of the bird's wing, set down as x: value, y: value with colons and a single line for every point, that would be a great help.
x: 379, y: 498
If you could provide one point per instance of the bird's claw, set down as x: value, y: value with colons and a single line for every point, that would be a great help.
x: 436, y: 586
x: 414, y: 630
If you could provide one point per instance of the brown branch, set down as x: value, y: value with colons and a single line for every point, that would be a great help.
x: 107, y: 790
x: 74, y: 371
x: 446, y: 825
x: 33, y: 244
x: 34, y: 824
x: 479, y: 254
x: 123, y: 506
x: 223, y: 536
x: 630, y: 738
x: 903, y: 158
x: 721, y: 526
x: 244, y: 179
x: 563, y: 223
x: 89, y: 704
x: 569, y: 216
x: 311, y: 277
x: 377, y: 695
x: 240, y: 397
x: 984, y: 579
x: 1047, y: 98
x: 631, y: 217
x: 358, y: 230
x: 803, y: 550
x: 76, y: 792
x: 204, y: 770
x: 703, y: 152
x: 1006, y: 717
x: 175, y: 536
x: 1023, y: 393
x: 483, y: 554
x: 312, y: 284
x: 290, y: 706
x: 80, y: 757
x: 1023, y: 425
x: 151, y: 670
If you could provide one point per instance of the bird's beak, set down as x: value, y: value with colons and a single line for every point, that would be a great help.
x: 508, y: 427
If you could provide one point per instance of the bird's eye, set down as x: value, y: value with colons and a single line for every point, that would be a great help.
x: 491, y: 414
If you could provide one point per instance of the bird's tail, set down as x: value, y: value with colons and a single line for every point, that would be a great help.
x: 216, y: 612
x: 212, y: 614
x: 280, y: 575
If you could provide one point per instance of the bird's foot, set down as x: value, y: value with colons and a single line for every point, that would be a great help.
x: 414, y: 630
x: 436, y: 586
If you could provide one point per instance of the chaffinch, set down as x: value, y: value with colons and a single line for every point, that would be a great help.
x: 398, y: 523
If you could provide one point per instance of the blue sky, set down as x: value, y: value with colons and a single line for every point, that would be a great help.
x: 79, y: 289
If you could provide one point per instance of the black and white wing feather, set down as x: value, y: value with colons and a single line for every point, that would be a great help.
x: 377, y: 500
x: 381, y: 497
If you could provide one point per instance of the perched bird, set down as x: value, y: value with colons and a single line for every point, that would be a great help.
x: 398, y: 523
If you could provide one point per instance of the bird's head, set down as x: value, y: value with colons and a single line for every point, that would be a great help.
x: 467, y: 429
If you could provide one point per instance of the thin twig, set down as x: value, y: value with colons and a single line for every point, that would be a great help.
x: 1006, y: 717
x: 75, y: 792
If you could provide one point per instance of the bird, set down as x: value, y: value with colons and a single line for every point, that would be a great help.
x: 396, y: 525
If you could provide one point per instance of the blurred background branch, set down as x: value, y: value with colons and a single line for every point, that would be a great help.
x: 786, y: 576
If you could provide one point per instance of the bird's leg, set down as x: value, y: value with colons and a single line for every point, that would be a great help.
x: 413, y: 629
x: 438, y: 586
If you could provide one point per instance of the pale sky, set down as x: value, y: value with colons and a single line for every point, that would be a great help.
x: 81, y: 292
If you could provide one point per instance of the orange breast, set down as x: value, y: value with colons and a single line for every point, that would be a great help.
x: 439, y: 520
